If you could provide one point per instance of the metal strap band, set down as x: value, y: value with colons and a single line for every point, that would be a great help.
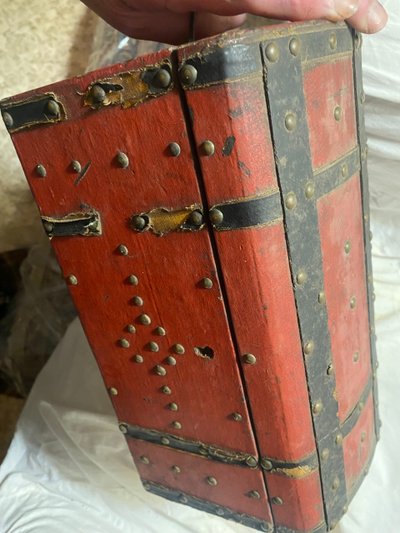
x: 248, y: 212
x: 328, y: 179
x: 221, y: 65
x: 39, y: 109
x: 354, y: 416
x: 207, y: 451
x: 295, y: 470
x: 362, y: 140
x: 287, y: 107
x: 210, y: 507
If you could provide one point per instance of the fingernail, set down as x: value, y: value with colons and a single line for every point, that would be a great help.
x: 346, y: 8
x: 376, y: 18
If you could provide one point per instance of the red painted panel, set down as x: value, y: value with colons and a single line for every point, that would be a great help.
x: 256, y: 260
x: 234, y: 483
x: 169, y: 268
x: 301, y: 508
x: 358, y: 446
x: 340, y: 220
x: 326, y: 86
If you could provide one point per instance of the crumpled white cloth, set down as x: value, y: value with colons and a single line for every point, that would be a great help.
x: 68, y: 469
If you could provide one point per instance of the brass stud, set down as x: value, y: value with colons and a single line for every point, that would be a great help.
x: 164, y: 440
x: 353, y: 302
x: 290, y: 200
x: 161, y: 79
x: 138, y: 301
x: 216, y: 216
x: 123, y: 250
x: 251, y: 461
x: 345, y: 509
x: 333, y: 41
x: 76, y: 166
x: 291, y: 121
x: 212, y: 481
x: 250, y: 359
x: 254, y: 494
x: 53, y: 108
x: 345, y: 170
x: 160, y: 370
x: 123, y: 428
x: 72, y: 280
x: 196, y: 218
x: 294, y: 46
x: 171, y: 360
x: 8, y: 120
x: 325, y: 454
x: 220, y: 511
x: 177, y: 425
x: 362, y: 97
x: 48, y: 226
x: 360, y: 406
x: 321, y: 298
x: 160, y: 331
x: 41, y: 170
x: 183, y: 499
x: 131, y: 328
x: 145, y: 320
x: 153, y: 346
x: 146, y: 485
x: 237, y: 417
x: 113, y: 391
x: 145, y: 460
x: 166, y: 390
x: 335, y: 483
x: 133, y: 280
x: 309, y: 347
x: 178, y: 349
x: 174, y: 149
x: 309, y: 190
x: 175, y: 469
x: 138, y: 358
x: 347, y: 247
x: 276, y: 500
x: 122, y: 160
x: 173, y: 406
x: 331, y: 370
x: 206, y: 283
x: 301, y: 277
x: 337, y: 113
x: 266, y: 464
x: 98, y: 93
x: 272, y: 52
x: 363, y: 436
x: 364, y: 153
x: 124, y: 343
x: 139, y: 223
x: 317, y: 408
x: 208, y: 148
x: 188, y: 74
x: 339, y: 439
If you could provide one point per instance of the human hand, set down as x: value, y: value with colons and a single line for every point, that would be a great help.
x: 168, y: 20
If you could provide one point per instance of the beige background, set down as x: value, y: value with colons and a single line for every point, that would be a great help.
x: 41, y: 41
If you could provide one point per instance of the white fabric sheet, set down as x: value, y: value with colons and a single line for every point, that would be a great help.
x: 68, y: 468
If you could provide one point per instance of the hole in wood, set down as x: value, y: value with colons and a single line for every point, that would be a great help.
x: 206, y: 352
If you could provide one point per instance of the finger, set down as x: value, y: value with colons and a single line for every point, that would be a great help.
x: 370, y: 17
x: 283, y: 9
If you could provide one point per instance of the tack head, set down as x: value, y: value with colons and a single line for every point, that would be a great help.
x: 301, y: 277
x: 321, y: 298
x: 337, y: 113
x: 266, y: 464
x: 41, y: 170
x: 176, y: 469
x: 53, y: 108
x: 113, y: 391
x: 294, y: 46
x: 254, y: 494
x: 138, y: 358
x: 325, y: 454
x: 171, y: 360
x: 133, y: 280
x: 188, y: 74
x: 309, y: 347
x: 237, y: 417
x: 206, y: 283
x: 331, y: 370
x: 124, y: 343
x: 166, y: 390
x: 98, y: 93
x: 173, y: 406
x: 174, y: 149
x: 72, y: 280
x: 123, y: 428
x: 145, y: 320
x: 122, y: 160
x: 309, y: 190
x: 138, y: 301
x: 208, y: 148
x: 276, y: 500
x: 123, y: 250
x: 347, y: 247
x: 339, y: 439
x: 76, y: 166
x: 153, y: 346
x: 131, y: 328
x: 212, y: 481
x: 317, y: 408
x: 160, y: 370
x: 291, y: 121
x: 251, y: 461
x: 353, y: 302
x: 216, y: 216
x: 8, y: 120
x: 272, y: 52
x: 178, y: 349
x: 249, y: 359
x: 161, y: 79
x: 139, y: 223
x: 345, y: 170
x: 145, y: 460
x: 164, y: 440
x: 177, y: 425
x: 356, y: 357
x: 196, y: 218
x: 290, y: 200
x: 335, y: 483
x: 333, y: 41
x: 160, y: 331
